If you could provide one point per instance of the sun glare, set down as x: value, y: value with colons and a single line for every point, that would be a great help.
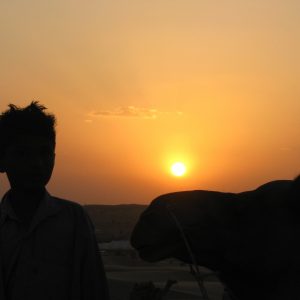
x: 178, y: 169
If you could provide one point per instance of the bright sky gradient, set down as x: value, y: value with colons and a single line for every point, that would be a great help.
x: 137, y: 85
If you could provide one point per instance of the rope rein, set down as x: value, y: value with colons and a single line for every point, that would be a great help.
x: 194, y: 269
x: 193, y: 266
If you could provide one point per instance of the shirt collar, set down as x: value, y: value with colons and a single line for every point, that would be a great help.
x: 48, y: 206
x: 6, y: 209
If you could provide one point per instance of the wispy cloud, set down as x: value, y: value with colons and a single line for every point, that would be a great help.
x: 132, y: 111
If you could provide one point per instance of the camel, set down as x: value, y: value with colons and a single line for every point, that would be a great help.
x: 250, y: 239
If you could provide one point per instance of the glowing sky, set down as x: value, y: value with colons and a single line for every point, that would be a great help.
x: 137, y: 85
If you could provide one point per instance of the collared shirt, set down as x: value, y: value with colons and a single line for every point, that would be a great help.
x: 55, y: 257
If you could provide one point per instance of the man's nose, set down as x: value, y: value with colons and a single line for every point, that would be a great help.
x: 36, y: 163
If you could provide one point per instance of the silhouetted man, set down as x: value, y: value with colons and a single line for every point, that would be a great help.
x: 48, y: 248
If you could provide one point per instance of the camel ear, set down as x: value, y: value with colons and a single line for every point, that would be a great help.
x: 295, y: 192
x: 296, y: 185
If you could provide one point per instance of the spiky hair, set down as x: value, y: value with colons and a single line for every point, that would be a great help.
x: 31, y: 120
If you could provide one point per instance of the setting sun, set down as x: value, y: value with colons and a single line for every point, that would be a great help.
x: 178, y: 169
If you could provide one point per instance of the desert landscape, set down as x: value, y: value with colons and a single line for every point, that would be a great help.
x: 114, y: 222
x: 124, y: 270
x: 127, y: 272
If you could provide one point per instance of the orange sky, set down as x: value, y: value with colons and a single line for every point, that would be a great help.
x: 136, y: 85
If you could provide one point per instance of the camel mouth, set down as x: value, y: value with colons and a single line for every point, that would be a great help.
x: 146, y: 248
x: 151, y: 254
x: 154, y: 253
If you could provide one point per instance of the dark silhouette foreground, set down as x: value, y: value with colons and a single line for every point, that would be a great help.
x: 48, y: 248
x: 251, y: 239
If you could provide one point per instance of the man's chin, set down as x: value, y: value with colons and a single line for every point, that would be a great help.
x: 30, y: 188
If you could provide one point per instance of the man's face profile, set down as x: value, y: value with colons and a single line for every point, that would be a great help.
x: 28, y: 161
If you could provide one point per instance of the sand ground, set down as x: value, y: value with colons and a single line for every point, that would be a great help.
x: 123, y: 272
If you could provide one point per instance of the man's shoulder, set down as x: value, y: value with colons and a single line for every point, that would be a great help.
x: 78, y: 212
x: 65, y: 204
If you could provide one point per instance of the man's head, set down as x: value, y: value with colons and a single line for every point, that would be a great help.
x: 27, y: 146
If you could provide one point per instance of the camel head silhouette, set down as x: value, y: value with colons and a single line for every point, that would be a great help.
x: 251, y: 238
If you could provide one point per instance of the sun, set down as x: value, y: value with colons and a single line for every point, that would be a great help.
x: 178, y: 169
